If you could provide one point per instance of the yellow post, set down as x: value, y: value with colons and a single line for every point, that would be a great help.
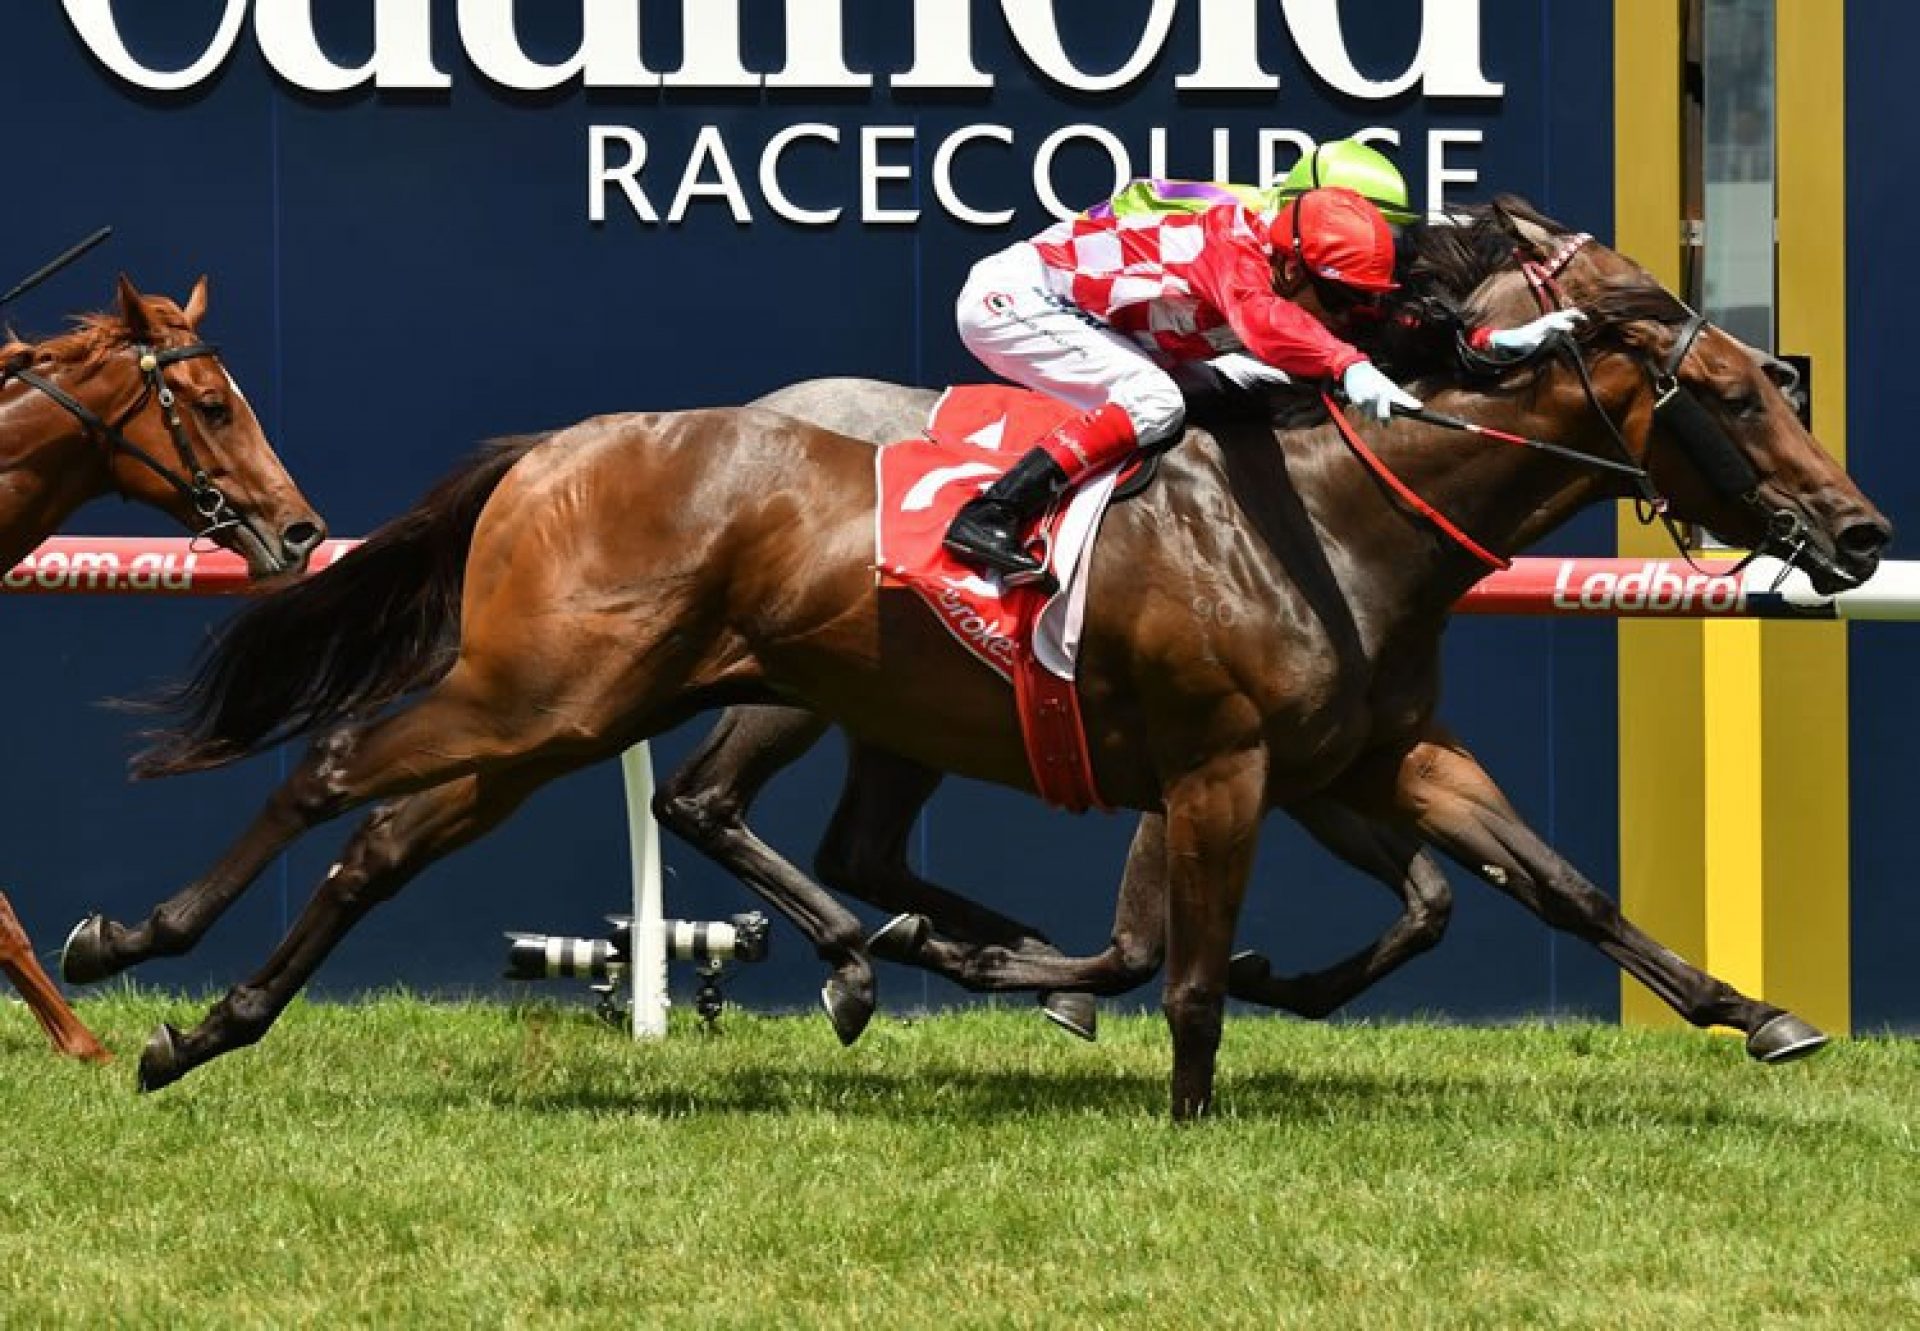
x: 1733, y: 736
x: 1805, y: 948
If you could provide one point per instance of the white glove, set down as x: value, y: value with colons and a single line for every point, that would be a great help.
x: 1529, y: 338
x: 1370, y: 390
x: 1243, y: 371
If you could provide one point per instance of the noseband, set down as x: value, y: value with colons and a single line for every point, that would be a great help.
x: 217, y: 513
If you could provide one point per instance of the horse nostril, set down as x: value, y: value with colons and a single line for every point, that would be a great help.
x: 299, y: 538
x: 1864, y: 540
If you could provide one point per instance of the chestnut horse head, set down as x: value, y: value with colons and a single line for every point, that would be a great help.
x: 135, y: 402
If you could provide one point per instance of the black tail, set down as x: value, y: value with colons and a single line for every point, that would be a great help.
x: 381, y: 623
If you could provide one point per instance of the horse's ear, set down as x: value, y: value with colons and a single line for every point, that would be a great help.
x: 1645, y: 338
x: 133, y: 311
x: 197, y: 304
x: 1518, y: 219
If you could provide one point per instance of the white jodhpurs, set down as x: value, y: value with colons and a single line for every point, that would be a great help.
x: 1017, y: 327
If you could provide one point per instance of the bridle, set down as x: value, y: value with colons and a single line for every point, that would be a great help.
x: 217, y: 513
x: 1677, y: 409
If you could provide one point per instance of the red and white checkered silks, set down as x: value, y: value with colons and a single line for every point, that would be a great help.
x: 1188, y: 286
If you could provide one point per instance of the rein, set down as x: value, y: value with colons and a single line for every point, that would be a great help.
x: 216, y: 512
x: 1542, y: 277
x: 1407, y: 496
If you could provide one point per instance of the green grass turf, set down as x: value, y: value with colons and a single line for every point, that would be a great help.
x: 401, y: 1163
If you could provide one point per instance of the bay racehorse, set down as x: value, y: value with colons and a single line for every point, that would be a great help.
x: 561, y: 599
x: 864, y: 852
x: 134, y: 403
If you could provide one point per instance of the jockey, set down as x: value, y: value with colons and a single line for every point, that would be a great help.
x: 1092, y: 310
x: 1348, y: 163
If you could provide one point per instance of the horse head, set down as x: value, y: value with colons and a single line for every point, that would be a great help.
x: 1708, y: 417
x: 237, y: 492
x: 167, y: 425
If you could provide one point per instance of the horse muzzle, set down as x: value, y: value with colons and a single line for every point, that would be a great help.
x: 282, y: 554
x: 1843, y: 560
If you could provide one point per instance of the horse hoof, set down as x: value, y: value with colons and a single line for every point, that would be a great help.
x: 88, y: 1050
x: 1785, y: 1038
x: 848, y: 1011
x: 84, y: 958
x: 900, y: 938
x: 1247, y: 970
x: 160, y: 1060
x: 1076, y: 1014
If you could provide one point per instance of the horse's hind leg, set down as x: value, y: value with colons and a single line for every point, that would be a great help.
x: 98, y: 947
x: 457, y: 726
x: 394, y: 843
x: 706, y: 802
x: 1391, y: 853
x: 510, y: 720
x: 17, y: 962
x: 1457, y: 807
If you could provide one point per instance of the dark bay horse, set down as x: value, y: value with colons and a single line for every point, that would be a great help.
x: 134, y: 403
x: 864, y: 852
x: 560, y: 600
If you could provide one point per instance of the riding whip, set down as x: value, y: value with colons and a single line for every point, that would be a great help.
x: 55, y: 265
x: 1447, y: 422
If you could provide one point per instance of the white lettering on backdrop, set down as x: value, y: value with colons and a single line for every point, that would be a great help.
x: 1447, y: 64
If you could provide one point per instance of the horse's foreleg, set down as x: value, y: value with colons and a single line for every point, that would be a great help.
x: 1457, y: 806
x: 1213, y: 826
x: 394, y: 843
x: 1391, y: 853
x: 17, y: 962
x: 706, y: 802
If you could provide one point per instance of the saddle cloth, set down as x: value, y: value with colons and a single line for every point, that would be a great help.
x: 1024, y: 635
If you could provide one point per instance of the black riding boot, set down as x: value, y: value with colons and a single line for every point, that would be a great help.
x: 986, y: 531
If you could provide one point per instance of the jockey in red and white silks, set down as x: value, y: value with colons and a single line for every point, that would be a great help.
x: 1097, y: 308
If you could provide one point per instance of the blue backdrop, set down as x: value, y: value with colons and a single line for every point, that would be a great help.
x: 1883, y: 196
x: 399, y: 274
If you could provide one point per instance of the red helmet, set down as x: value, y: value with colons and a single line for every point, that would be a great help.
x: 1339, y: 236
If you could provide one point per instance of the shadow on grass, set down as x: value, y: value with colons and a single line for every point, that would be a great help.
x: 1442, y: 1102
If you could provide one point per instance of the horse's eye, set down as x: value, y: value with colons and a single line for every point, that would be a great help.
x: 1745, y: 404
x: 215, y: 412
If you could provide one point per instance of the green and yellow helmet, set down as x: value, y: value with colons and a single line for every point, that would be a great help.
x: 1352, y: 165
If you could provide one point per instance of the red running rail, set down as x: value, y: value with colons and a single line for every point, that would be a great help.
x: 1582, y: 588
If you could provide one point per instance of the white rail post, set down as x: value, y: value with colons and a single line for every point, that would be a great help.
x: 648, y: 963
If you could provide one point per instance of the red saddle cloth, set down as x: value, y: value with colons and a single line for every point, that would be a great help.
x: 976, y: 433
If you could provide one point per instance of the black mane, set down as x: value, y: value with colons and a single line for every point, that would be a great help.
x: 1441, y: 265
x: 1449, y: 260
